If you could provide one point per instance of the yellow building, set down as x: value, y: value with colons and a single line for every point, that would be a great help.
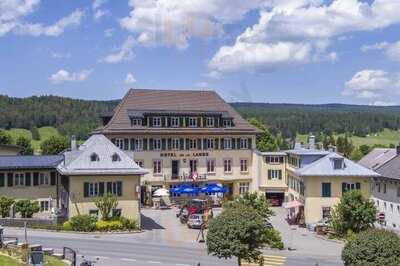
x: 184, y: 136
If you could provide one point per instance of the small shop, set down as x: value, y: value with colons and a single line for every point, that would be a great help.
x: 275, y: 197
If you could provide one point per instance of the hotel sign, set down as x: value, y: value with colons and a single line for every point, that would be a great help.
x: 183, y: 155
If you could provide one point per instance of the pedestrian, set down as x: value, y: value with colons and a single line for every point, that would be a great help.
x: 203, y: 227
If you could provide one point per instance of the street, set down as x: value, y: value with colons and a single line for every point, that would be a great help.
x: 167, y: 242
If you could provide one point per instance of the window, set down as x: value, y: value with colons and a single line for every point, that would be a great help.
x: 192, y: 144
x: 326, y: 190
x: 119, y: 143
x: 94, y: 213
x: 398, y: 209
x: 44, y: 179
x: 174, y: 121
x: 156, y: 122
x: 326, y: 212
x: 136, y: 122
x: 274, y: 174
x: 274, y: 159
x: 228, y: 143
x: 243, y: 188
x: 193, y: 166
x: 211, y: 166
x: 391, y: 207
x: 93, y: 189
x: 138, y: 145
x: 379, y: 187
x: 192, y: 122
x: 384, y: 188
x: 116, y: 213
x: 294, y: 161
x: 350, y: 186
x: 338, y: 163
x: 227, y: 123
x: 19, y: 179
x: 157, y: 144
x: 140, y: 163
x: 398, y: 191
x: 210, y: 144
x: 244, y: 143
x: 114, y: 188
x: 157, y: 167
x: 228, y: 166
x: 44, y: 206
x: 175, y: 144
x: 94, y: 157
x: 210, y: 121
x: 244, y: 166
x: 115, y: 157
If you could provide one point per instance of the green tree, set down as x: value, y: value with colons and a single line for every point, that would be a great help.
x: 356, y: 155
x: 27, y: 208
x: 237, y: 232
x: 364, y: 149
x: 252, y: 200
x: 265, y: 140
x: 353, y: 213
x: 5, y: 138
x: 25, y: 143
x: 54, y: 145
x: 5, y: 206
x: 372, y: 248
x: 106, y: 204
x: 35, y: 133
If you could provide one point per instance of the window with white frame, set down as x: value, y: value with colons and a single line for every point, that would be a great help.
x: 274, y: 159
x: 44, y: 206
x: 119, y: 143
x: 210, y: 144
x: 175, y: 143
x: 93, y: 189
x: 136, y: 122
x: 228, y: 166
x: 174, y: 121
x: 244, y: 166
x: 138, y: 144
x: 326, y: 212
x: 243, y: 188
x: 140, y: 163
x: 274, y: 174
x: 193, y: 144
x: 227, y: 123
x: 156, y: 122
x: 384, y: 188
x: 244, y: 143
x: 192, y: 122
x: 44, y: 179
x: 227, y: 143
x: 210, y: 121
x: 157, y: 167
x: 115, y: 157
x: 398, y: 191
x: 157, y: 144
x: 19, y: 179
x: 211, y: 166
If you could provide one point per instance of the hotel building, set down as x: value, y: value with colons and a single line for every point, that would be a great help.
x: 182, y: 136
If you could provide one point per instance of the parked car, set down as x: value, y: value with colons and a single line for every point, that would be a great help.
x: 195, y: 221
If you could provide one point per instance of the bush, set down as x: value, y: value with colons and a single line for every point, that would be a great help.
x: 83, y: 223
x: 5, y: 206
x: 109, y: 225
x: 106, y: 204
x: 27, y: 208
x: 372, y: 248
x: 129, y: 224
x: 67, y: 226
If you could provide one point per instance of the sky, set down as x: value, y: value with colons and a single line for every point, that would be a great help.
x: 277, y: 51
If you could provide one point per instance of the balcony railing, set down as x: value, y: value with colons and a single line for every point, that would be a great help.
x: 186, y: 177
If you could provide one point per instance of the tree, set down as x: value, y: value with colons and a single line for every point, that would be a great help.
x: 5, y: 206
x: 106, y: 204
x: 265, y: 140
x: 237, y: 232
x: 372, y: 248
x: 5, y: 138
x: 35, y: 133
x: 252, y: 200
x: 25, y: 143
x: 364, y: 149
x: 354, y: 213
x: 54, y: 145
x: 356, y: 155
x: 27, y: 208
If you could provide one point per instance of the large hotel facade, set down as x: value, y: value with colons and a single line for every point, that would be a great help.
x: 184, y: 136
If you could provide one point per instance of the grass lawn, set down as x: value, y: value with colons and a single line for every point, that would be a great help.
x: 8, y: 261
x: 386, y: 137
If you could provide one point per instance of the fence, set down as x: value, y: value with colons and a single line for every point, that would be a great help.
x: 70, y: 255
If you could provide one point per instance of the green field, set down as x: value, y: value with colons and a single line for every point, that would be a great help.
x: 386, y: 137
x: 44, y: 132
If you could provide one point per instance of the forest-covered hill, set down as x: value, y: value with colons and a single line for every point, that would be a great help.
x: 79, y: 117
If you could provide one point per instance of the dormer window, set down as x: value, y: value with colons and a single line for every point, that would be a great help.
x: 210, y: 121
x: 115, y: 157
x: 192, y: 122
x: 94, y: 157
x: 338, y: 163
x: 156, y: 122
x: 174, y: 121
x: 136, y: 122
x: 227, y: 123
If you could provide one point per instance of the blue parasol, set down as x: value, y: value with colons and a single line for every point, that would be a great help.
x: 214, y: 188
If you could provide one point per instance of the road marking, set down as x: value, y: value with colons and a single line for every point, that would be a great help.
x: 179, y: 264
x: 153, y: 262
x: 128, y: 259
x: 101, y: 257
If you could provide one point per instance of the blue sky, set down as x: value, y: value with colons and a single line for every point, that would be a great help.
x: 297, y: 51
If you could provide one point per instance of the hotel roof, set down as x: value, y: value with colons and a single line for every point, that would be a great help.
x: 377, y: 157
x: 14, y: 162
x: 139, y: 101
x: 390, y: 169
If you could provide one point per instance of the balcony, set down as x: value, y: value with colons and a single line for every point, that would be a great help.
x: 185, y: 177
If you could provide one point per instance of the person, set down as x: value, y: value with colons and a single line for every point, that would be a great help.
x: 203, y: 226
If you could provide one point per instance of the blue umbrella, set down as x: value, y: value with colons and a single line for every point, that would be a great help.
x: 214, y: 188
x: 176, y: 190
x: 189, y: 190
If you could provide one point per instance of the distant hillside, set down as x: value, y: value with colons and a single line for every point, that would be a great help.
x: 79, y: 117
x: 69, y: 116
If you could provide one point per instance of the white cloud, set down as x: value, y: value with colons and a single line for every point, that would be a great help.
x: 100, y: 13
x: 98, y: 3
x: 13, y: 12
x: 213, y: 74
x: 372, y: 83
x: 392, y: 50
x: 314, y: 24
x: 130, y: 79
x: 109, y: 32
x: 64, y: 76
x: 60, y: 55
x: 124, y: 53
x: 174, y: 22
x: 202, y: 84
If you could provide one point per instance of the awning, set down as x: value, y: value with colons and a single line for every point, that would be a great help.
x: 292, y: 204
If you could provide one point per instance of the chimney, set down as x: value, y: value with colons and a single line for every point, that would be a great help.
x: 73, y: 143
x: 398, y: 149
x: 332, y: 148
x: 311, y: 142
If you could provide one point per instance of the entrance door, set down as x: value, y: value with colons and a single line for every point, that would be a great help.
x: 276, y: 198
x: 175, y: 169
